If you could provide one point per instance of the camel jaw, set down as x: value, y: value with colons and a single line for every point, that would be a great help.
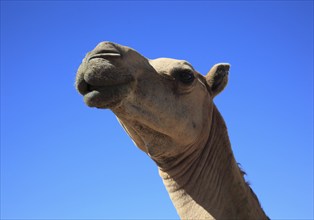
x: 102, y: 83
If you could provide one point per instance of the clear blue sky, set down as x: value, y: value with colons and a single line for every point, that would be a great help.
x: 61, y: 159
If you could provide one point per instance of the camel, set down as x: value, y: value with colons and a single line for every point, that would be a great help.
x: 167, y: 109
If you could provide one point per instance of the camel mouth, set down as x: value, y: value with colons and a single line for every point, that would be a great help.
x: 103, y: 90
x: 107, y: 96
x: 101, y: 78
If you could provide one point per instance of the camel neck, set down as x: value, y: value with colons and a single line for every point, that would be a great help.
x: 207, y: 183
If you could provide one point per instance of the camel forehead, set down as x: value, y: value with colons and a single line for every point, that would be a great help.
x: 166, y: 65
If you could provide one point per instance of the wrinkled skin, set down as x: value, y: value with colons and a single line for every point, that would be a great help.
x: 167, y: 108
x: 163, y: 104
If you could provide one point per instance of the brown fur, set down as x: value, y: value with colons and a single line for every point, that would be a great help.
x: 167, y: 109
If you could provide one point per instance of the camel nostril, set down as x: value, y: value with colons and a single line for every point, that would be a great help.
x: 104, y: 51
x: 104, y: 55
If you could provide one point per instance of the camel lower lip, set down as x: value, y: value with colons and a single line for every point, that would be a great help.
x: 97, y: 99
x: 104, y: 97
x: 93, y: 99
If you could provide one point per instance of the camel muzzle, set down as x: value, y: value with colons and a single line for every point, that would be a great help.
x: 102, y: 78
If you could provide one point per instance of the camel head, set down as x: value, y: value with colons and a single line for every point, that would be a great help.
x: 163, y: 104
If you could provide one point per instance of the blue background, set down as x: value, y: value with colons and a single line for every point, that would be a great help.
x: 61, y: 159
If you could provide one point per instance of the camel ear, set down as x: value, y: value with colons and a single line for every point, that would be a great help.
x: 217, y: 77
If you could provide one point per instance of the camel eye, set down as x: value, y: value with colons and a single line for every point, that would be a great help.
x: 186, y: 76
